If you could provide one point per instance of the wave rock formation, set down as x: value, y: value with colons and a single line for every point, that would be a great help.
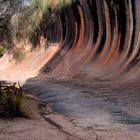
x: 98, y: 37
x: 101, y: 36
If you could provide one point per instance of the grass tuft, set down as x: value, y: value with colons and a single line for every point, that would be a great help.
x: 10, y: 101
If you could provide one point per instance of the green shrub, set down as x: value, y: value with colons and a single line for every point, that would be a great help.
x: 32, y: 22
x: 2, y: 51
x: 19, y: 55
x: 53, y: 4
x: 10, y: 101
x: 26, y: 22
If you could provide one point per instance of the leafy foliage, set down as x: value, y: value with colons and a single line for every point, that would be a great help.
x: 19, y: 55
x: 30, y: 23
x: 56, y: 5
x: 2, y: 51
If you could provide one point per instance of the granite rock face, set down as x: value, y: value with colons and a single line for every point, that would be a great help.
x: 102, y: 33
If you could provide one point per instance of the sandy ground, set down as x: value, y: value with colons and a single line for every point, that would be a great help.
x: 13, y: 72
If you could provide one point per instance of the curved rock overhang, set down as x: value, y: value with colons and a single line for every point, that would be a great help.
x: 102, y: 34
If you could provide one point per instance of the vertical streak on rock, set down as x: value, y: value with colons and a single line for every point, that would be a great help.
x: 102, y: 32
